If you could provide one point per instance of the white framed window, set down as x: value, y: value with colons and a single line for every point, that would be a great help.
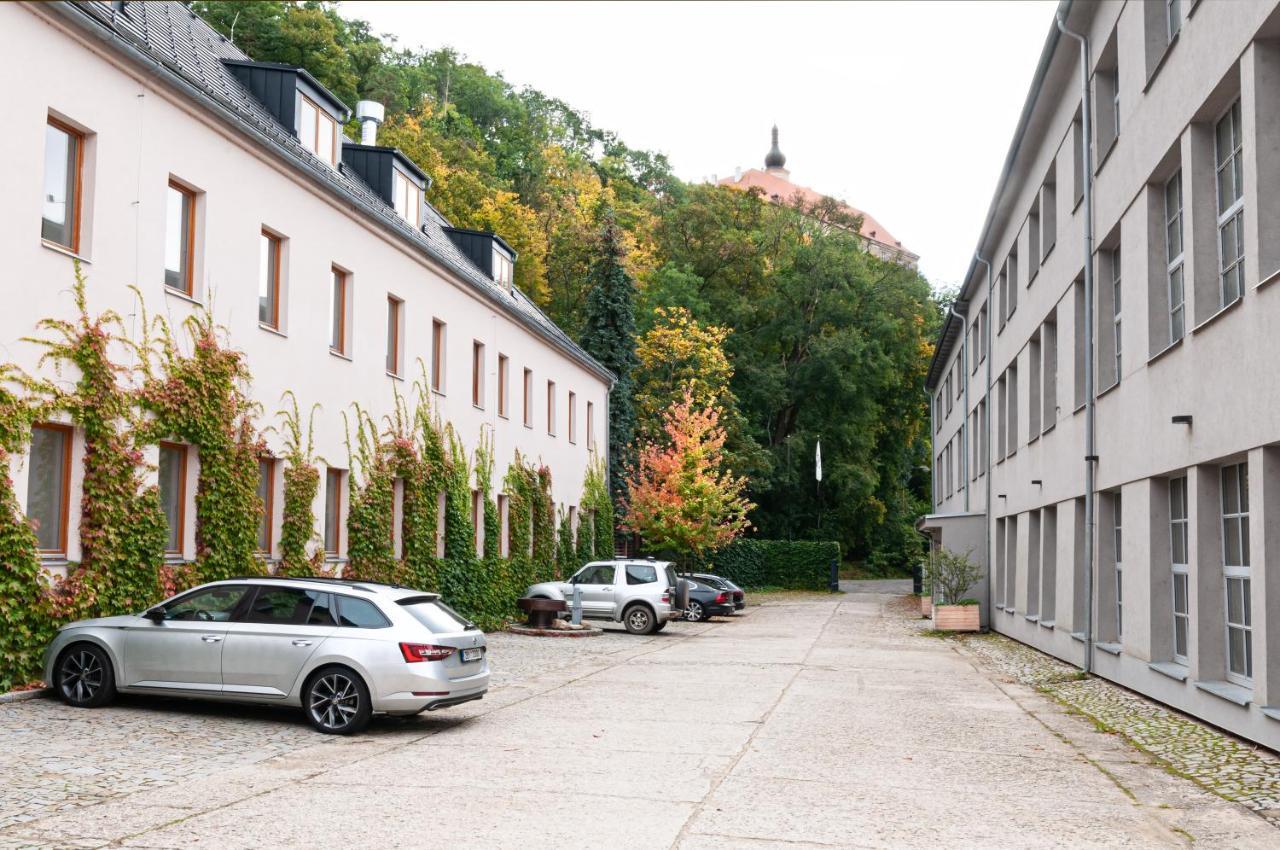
x: 1178, y: 545
x: 1117, y: 522
x: 1116, y: 324
x: 1230, y: 180
x: 503, y: 268
x: 1173, y: 255
x: 407, y: 197
x: 317, y: 131
x: 1236, y: 572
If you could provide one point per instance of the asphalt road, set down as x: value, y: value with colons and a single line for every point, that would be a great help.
x: 812, y: 722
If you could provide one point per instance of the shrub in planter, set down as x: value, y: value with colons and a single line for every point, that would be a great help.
x: 949, y: 575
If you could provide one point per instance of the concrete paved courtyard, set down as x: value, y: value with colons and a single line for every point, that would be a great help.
x: 812, y: 721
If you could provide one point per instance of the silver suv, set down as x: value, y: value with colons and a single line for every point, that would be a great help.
x: 643, y: 595
x: 341, y: 650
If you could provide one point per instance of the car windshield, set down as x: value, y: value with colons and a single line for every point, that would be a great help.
x: 437, y: 617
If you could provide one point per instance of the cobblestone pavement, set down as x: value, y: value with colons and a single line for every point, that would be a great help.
x: 54, y: 758
x: 815, y: 721
x: 1217, y: 761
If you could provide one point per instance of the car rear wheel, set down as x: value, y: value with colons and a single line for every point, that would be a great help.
x: 638, y: 620
x: 694, y: 613
x: 337, y: 702
x: 84, y: 676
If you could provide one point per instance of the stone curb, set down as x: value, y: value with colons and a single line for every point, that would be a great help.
x: 19, y: 696
x: 564, y: 633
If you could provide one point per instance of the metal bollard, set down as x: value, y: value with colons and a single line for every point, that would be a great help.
x: 576, y: 618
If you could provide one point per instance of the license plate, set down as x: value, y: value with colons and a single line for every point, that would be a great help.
x: 473, y: 654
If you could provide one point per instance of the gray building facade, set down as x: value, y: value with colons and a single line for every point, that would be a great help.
x: 1105, y: 415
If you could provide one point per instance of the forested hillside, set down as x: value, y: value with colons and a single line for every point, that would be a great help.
x: 770, y: 313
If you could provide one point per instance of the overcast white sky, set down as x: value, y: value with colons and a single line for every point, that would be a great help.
x: 904, y: 110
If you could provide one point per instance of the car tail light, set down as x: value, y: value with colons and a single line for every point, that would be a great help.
x: 666, y: 598
x: 722, y: 598
x: 414, y: 652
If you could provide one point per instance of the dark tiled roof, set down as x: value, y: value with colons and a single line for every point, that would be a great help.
x: 188, y: 49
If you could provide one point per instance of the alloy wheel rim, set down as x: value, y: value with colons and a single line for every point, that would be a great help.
x: 639, y: 619
x: 694, y: 611
x: 81, y: 675
x: 334, y: 701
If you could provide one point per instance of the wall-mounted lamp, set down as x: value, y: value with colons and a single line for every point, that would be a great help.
x: 1037, y: 482
x: 1182, y: 419
x: 1090, y: 458
x: 1001, y: 496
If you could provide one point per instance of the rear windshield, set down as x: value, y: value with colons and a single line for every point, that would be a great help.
x: 671, y: 577
x: 437, y: 617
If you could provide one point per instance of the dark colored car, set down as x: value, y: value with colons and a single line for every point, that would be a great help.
x: 707, y: 599
x: 738, y: 596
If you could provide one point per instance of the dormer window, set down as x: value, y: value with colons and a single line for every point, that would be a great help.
x: 317, y: 130
x: 503, y: 267
x: 408, y: 199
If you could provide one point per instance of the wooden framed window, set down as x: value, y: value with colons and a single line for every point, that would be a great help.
x: 551, y: 408
x: 503, y: 369
x: 269, y: 279
x: 573, y: 417
x: 173, y: 493
x: 179, y: 238
x: 437, y: 355
x: 317, y: 131
x: 591, y: 426
x: 49, y: 486
x: 333, y: 481
x: 266, y: 495
x: 528, y: 398
x: 477, y: 374
x: 63, y: 172
x: 394, y: 323
x: 339, y: 331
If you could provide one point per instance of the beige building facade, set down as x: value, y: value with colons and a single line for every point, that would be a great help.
x: 143, y: 144
x: 1126, y: 276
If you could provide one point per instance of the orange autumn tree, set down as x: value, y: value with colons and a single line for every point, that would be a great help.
x: 679, y: 495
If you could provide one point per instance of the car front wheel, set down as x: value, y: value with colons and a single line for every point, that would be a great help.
x: 337, y: 702
x: 638, y: 620
x: 85, y: 677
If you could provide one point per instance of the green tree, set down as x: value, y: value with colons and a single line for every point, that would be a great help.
x: 610, y: 337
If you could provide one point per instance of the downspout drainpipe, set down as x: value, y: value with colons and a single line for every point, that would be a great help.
x: 1090, y: 451
x: 986, y: 442
x: 964, y: 423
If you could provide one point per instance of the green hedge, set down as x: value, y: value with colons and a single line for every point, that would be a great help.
x: 790, y: 564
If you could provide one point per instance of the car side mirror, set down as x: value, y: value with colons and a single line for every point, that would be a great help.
x: 155, y: 615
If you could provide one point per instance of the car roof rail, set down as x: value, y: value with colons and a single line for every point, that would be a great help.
x: 354, y: 584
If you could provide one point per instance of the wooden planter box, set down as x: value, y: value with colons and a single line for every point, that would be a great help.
x: 926, y: 606
x: 956, y: 618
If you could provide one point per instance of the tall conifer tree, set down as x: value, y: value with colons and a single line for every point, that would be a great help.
x: 609, y: 335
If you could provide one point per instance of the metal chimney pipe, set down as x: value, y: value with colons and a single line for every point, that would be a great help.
x: 370, y: 114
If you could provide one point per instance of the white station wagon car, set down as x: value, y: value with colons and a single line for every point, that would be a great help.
x: 341, y: 650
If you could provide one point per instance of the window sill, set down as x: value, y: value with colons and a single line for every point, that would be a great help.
x: 340, y: 355
x: 1177, y: 343
x: 1272, y: 711
x: 439, y: 392
x: 1109, y: 648
x: 1112, y: 386
x: 477, y: 406
x: 396, y: 376
x: 527, y: 425
x: 65, y: 251
x: 182, y: 296
x: 1079, y: 408
x: 1045, y: 252
x: 272, y: 330
x: 1172, y: 669
x: 1035, y: 436
x: 1031, y: 275
x: 1228, y: 691
x: 1010, y: 611
x: 1271, y: 278
x: 1048, y: 429
x: 54, y: 559
x: 1032, y: 618
x: 1048, y: 624
x: 504, y: 416
x: 1214, y: 317
x: 1079, y: 636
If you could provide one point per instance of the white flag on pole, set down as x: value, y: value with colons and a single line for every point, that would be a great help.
x: 817, y: 462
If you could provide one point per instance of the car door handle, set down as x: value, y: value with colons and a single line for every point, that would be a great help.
x: 211, y: 638
x: 606, y: 588
x: 301, y: 642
